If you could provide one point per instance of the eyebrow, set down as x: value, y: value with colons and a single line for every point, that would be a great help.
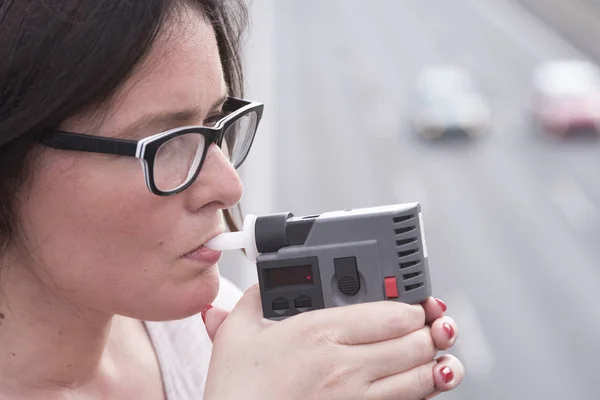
x: 168, y: 118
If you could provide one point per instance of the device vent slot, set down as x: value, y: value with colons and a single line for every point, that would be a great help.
x: 402, y: 231
x: 403, y: 218
x: 412, y: 275
x: 414, y: 286
x: 404, y: 242
x: 406, y: 253
x: 409, y: 264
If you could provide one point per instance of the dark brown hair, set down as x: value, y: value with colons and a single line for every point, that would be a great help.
x: 59, y: 57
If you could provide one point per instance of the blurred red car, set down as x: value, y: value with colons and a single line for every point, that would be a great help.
x: 567, y: 97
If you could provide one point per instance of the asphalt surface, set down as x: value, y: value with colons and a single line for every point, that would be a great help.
x: 512, y: 220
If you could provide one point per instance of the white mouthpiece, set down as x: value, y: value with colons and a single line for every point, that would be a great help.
x: 237, y: 240
x: 227, y: 241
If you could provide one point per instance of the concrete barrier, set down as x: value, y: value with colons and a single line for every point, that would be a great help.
x: 577, y: 21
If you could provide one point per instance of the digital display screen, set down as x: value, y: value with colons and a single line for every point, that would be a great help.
x: 288, y: 276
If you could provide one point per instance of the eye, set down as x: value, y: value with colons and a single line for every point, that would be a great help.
x: 213, y: 118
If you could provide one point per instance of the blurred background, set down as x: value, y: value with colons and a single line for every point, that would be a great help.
x: 484, y: 111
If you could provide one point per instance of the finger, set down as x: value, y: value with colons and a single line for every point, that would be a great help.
x: 367, y: 322
x: 415, y: 384
x: 395, y: 356
x: 434, y: 309
x: 448, y: 373
x: 444, y: 332
x: 213, y: 318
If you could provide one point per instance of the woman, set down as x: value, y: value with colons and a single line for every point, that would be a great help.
x: 103, y: 273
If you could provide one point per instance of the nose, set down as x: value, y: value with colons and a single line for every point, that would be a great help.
x: 218, y: 183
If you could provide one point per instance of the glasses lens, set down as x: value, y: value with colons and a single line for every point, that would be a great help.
x: 238, y: 138
x: 177, y: 160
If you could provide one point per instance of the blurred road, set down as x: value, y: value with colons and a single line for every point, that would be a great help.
x: 513, y: 220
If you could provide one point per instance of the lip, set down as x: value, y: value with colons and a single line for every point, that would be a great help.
x: 204, y: 255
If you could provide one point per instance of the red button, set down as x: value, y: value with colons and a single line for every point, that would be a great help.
x: 391, y: 287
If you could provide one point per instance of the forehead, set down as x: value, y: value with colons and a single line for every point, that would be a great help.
x: 182, y: 70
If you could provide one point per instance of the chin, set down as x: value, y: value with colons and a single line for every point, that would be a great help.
x: 183, y: 300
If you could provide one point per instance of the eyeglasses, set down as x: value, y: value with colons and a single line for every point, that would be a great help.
x: 171, y: 160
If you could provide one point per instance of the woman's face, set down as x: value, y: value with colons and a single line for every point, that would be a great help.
x: 96, y: 235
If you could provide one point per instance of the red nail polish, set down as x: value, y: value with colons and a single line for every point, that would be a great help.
x: 442, y: 305
x: 447, y: 374
x: 449, y: 330
x: 204, y: 310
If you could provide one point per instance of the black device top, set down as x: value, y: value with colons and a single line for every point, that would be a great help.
x: 275, y: 231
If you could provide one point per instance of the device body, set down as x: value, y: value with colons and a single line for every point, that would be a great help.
x: 341, y: 258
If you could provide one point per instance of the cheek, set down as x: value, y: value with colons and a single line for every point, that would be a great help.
x: 103, y: 239
x: 100, y: 206
x: 102, y: 226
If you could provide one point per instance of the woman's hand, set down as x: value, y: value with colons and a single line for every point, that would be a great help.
x: 379, y: 350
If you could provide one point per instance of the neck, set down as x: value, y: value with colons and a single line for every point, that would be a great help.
x: 47, y: 341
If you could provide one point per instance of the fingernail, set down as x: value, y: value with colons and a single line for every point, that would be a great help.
x: 204, y: 310
x: 447, y: 374
x: 442, y: 305
x: 449, y: 330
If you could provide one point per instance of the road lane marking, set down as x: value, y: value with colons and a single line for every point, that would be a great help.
x: 472, y: 347
x: 574, y: 204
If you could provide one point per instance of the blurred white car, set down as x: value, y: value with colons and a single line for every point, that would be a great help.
x: 448, y: 100
x: 566, y: 96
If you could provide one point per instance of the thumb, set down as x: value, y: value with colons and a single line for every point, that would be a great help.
x: 247, y: 312
x: 213, y: 318
x: 249, y: 306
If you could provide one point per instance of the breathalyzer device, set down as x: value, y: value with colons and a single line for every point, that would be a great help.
x: 335, y: 258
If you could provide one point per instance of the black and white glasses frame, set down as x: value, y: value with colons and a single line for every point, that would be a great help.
x: 146, y: 149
